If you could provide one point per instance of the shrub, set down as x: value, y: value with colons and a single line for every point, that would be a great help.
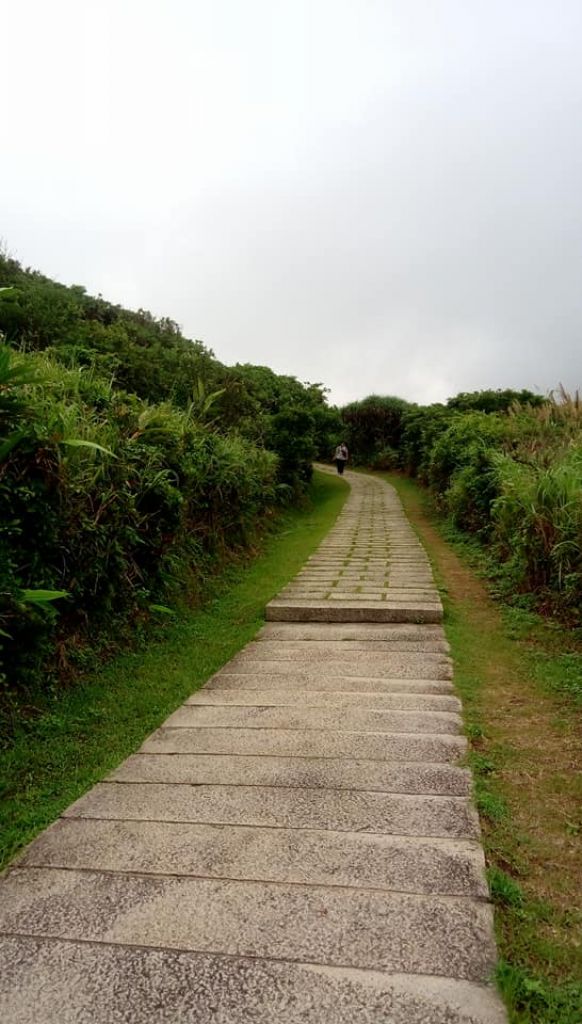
x: 108, y: 499
x: 504, y: 465
x: 130, y: 460
x: 493, y: 401
x: 461, y: 468
x: 421, y: 426
x: 385, y: 459
x: 373, y: 425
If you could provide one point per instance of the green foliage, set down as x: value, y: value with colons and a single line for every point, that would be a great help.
x: 506, y: 466
x: 329, y: 430
x: 534, y: 1000
x: 493, y: 401
x: 149, y: 357
x: 538, y: 522
x: 386, y: 458
x: 503, y: 888
x: 287, y: 417
x: 373, y: 428
x: 461, y: 468
x: 421, y: 427
x: 489, y: 804
x: 112, y: 502
x: 131, y: 461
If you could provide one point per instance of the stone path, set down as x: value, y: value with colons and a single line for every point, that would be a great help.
x: 296, y: 843
x: 371, y: 568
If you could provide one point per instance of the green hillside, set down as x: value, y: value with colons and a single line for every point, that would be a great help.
x: 132, y: 462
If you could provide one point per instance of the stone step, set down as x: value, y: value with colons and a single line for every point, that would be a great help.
x: 115, y: 983
x: 392, y: 747
x: 346, y: 590
x: 355, y: 587
x: 112, y: 983
x: 391, y: 666
x: 305, y: 772
x: 307, y: 681
x: 326, y: 698
x: 359, y: 719
x: 385, y: 569
x: 310, y: 857
x: 352, y: 581
x: 352, y: 590
x: 334, y: 596
x: 376, y: 590
x: 351, y: 611
x: 338, y: 648
x: 387, y: 574
x: 338, y: 653
x: 373, y: 930
x: 355, y: 631
x: 385, y: 563
x: 388, y: 566
x: 341, y: 810
x: 375, y: 597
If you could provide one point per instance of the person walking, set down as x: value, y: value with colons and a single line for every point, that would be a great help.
x: 341, y: 457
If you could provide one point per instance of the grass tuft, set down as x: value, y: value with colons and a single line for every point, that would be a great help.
x: 490, y: 804
x: 504, y: 890
x: 534, y: 1001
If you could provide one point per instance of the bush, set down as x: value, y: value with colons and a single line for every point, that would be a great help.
x: 113, y: 501
x: 421, y: 426
x: 130, y: 460
x: 372, y: 426
x: 503, y: 465
x: 493, y: 401
x: 461, y: 468
x: 386, y: 459
x: 149, y: 357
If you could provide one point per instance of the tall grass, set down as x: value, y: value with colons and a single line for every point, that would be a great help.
x: 537, y: 521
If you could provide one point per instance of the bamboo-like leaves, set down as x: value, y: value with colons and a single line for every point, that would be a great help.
x: 42, y: 597
x: 78, y: 442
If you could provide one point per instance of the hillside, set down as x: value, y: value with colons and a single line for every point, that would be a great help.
x: 132, y: 463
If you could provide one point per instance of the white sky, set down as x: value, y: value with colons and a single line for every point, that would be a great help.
x: 383, y: 195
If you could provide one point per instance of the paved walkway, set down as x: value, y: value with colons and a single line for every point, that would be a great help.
x: 370, y: 568
x: 295, y: 844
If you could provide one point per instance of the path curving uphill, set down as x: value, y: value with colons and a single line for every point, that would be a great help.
x: 370, y: 568
x: 297, y: 843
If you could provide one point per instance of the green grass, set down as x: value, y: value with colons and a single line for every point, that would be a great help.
x: 84, y: 733
x: 504, y: 890
x: 555, y: 648
x: 519, y: 679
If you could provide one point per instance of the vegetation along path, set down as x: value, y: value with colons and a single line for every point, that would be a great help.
x: 297, y: 842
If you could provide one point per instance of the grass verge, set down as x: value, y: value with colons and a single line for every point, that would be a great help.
x: 85, y: 732
x: 521, y: 700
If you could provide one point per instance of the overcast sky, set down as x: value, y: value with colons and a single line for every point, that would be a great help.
x: 383, y: 195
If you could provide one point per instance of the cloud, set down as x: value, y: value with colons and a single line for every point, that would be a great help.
x: 381, y: 196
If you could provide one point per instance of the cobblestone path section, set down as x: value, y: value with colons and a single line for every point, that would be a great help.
x: 296, y: 843
x: 370, y: 568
